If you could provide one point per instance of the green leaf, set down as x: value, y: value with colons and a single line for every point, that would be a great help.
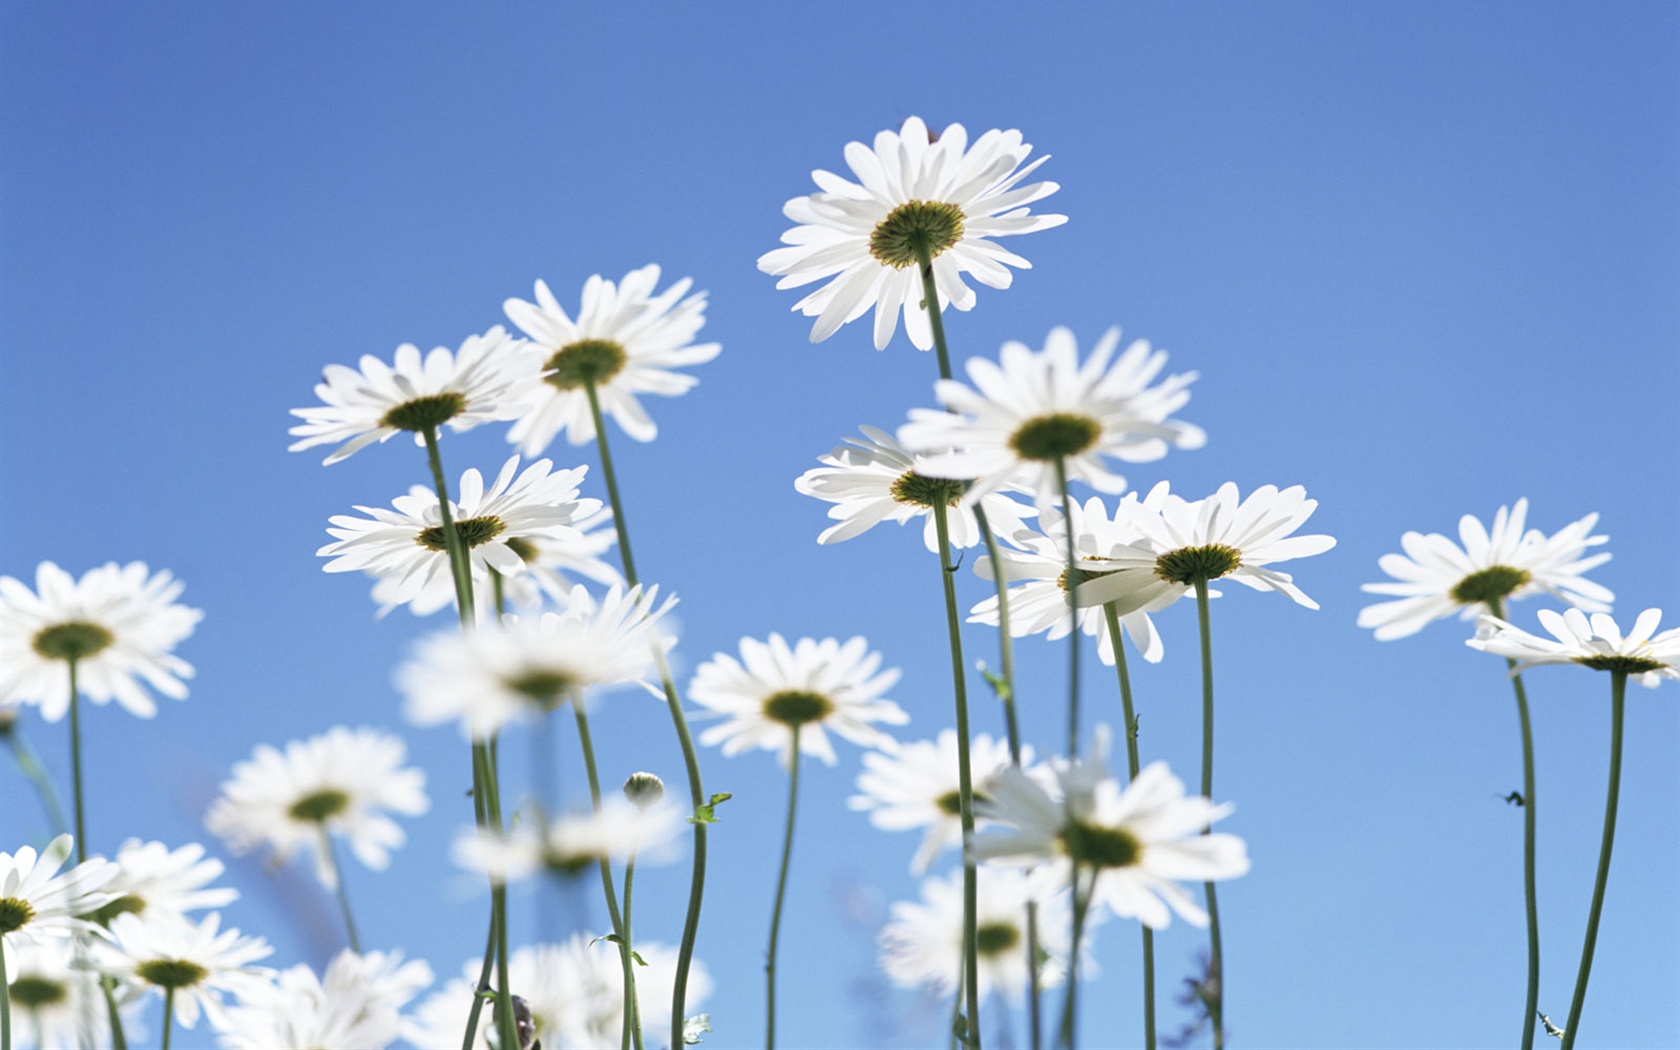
x: 707, y: 813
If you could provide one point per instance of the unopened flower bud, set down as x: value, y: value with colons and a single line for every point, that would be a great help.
x: 644, y: 789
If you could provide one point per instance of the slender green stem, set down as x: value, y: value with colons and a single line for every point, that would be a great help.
x: 781, y: 892
x: 460, y: 563
x: 1618, y: 692
x: 1035, y: 1023
x: 479, y: 989
x: 1006, y: 644
x: 76, y: 762
x: 30, y: 766
x: 605, y: 865
x: 930, y: 303
x: 506, y: 1026
x: 1073, y: 610
x: 1531, y: 1007
x: 1067, y: 1035
x: 5, y: 1003
x: 343, y: 895
x: 965, y: 780
x: 632, y: 1034
x: 691, y: 758
x: 168, y: 1014
x: 119, y: 1039
x: 1110, y: 611
x: 1216, y: 964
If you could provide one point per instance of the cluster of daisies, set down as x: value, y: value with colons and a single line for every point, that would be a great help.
x: 1046, y: 849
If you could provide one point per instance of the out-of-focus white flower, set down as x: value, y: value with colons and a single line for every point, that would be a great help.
x: 573, y: 842
x: 153, y: 879
x: 197, y: 961
x: 357, y: 1002
x: 38, y: 902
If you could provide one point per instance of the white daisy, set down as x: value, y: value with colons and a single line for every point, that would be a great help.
x: 814, y: 686
x: 915, y: 785
x: 519, y: 667
x: 464, y: 388
x: 357, y: 1002
x: 1594, y: 642
x: 1040, y: 605
x: 574, y: 842
x: 626, y: 341
x: 915, y: 192
x: 344, y: 782
x: 39, y: 903
x: 196, y: 964
x: 1141, y: 839
x: 873, y: 479
x: 1436, y: 577
x: 922, y: 944
x: 119, y: 623
x: 1031, y: 410
x: 573, y: 990
x: 1219, y: 537
x: 152, y: 878
x: 404, y: 548
x: 57, y: 1004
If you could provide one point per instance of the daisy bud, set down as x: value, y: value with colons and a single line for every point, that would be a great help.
x: 644, y: 790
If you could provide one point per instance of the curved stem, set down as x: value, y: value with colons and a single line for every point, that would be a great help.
x: 1618, y: 691
x: 965, y: 782
x: 506, y: 1026
x: 1067, y: 1036
x: 1216, y: 961
x: 76, y: 761
x: 781, y: 891
x: 30, y: 766
x: 1112, y: 615
x: 338, y: 883
x: 632, y: 1034
x: 1531, y: 1007
x: 470, y: 1040
x: 691, y: 759
x: 605, y: 865
x: 1073, y: 611
x: 119, y: 1039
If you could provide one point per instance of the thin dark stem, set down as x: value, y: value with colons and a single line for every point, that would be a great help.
x: 1132, y: 766
x: 691, y: 759
x: 460, y: 564
x: 1216, y: 964
x: 30, y: 766
x: 781, y: 892
x: 1073, y: 611
x: 76, y: 761
x: 1618, y: 692
x: 483, y: 986
x: 168, y: 1014
x: 5, y: 1004
x: 119, y: 1038
x: 343, y: 895
x: 605, y: 865
x: 930, y: 303
x: 1006, y: 644
x: 1067, y: 1035
x: 1531, y: 1007
x: 1035, y: 1023
x: 632, y: 1034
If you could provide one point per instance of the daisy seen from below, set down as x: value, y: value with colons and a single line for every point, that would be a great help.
x: 117, y: 627
x: 572, y: 990
x: 1594, y: 642
x: 357, y: 1002
x: 345, y: 782
x: 920, y: 200
x: 57, y: 1004
x: 153, y: 879
x: 524, y: 666
x: 192, y: 964
x: 813, y: 687
x: 921, y: 946
x: 38, y: 902
x: 915, y: 785
x: 1436, y: 577
x: 1138, y: 841
x: 1033, y: 414
x: 626, y: 341
x: 873, y: 479
x: 376, y: 401
x: 574, y: 842
x: 405, y: 548
x: 1040, y: 603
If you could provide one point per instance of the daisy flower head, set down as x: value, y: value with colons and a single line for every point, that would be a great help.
x: 626, y: 341
x: 1141, y: 840
x: 1436, y: 577
x: 1594, y: 642
x: 119, y: 624
x: 153, y: 879
x: 344, y: 782
x: 1224, y: 536
x: 38, y: 902
x: 919, y: 199
x: 405, y: 548
x: 197, y: 963
x: 915, y: 785
x: 56, y: 1004
x: 921, y: 946
x: 1031, y: 410
x: 873, y: 479
x: 812, y: 686
x: 518, y: 667
x: 1040, y: 604
x: 358, y: 1001
x: 377, y: 400
x: 574, y: 842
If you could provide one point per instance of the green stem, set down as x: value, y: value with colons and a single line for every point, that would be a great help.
x: 30, y: 766
x: 5, y: 1003
x: 460, y: 564
x: 119, y: 1039
x: 1035, y: 1023
x: 343, y: 894
x: 632, y: 1034
x: 965, y: 781
x: 1618, y: 692
x: 781, y: 892
x: 168, y: 1014
x: 930, y: 303
x: 1110, y: 611
x: 1006, y: 644
x: 604, y: 864
x: 1531, y: 1007
x: 691, y: 758
x: 1067, y: 1036
x: 1216, y: 964
x: 1073, y: 611
x: 506, y: 1025
x: 479, y: 990
x: 76, y: 761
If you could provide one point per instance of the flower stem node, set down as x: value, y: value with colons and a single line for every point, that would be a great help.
x: 1189, y: 564
x: 587, y: 362
x: 171, y: 973
x: 797, y: 707
x: 918, y: 490
x: 1489, y: 585
x: 644, y: 789
x: 424, y: 413
x: 913, y: 228
x: 72, y: 640
x: 1058, y: 435
x: 1632, y: 665
x: 474, y: 532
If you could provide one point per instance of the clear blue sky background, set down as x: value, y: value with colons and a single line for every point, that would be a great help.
x: 1424, y: 256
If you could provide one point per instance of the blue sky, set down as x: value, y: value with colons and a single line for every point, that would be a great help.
x: 1424, y: 256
